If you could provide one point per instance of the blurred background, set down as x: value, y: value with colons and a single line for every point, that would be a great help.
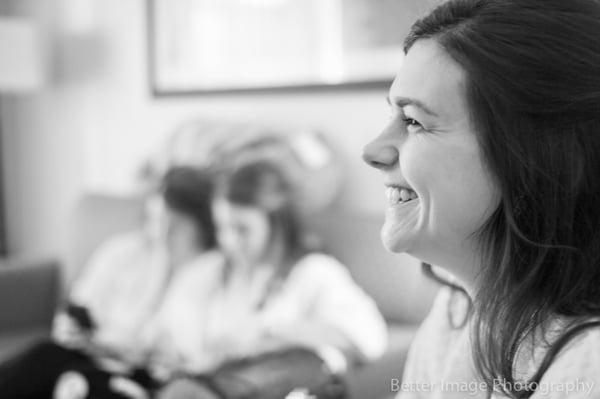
x: 84, y: 118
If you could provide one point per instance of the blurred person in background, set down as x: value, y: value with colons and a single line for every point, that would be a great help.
x: 120, y: 289
x: 174, y: 342
x: 275, y: 293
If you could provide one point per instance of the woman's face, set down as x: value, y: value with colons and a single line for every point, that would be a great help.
x: 437, y: 186
x: 243, y: 232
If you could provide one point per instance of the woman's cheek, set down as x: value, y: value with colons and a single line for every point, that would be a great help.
x: 418, y: 167
x: 411, y: 161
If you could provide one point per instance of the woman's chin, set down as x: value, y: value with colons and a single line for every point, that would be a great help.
x: 400, y: 229
x: 396, y: 241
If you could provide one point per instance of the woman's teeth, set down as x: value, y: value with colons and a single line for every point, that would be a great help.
x: 396, y: 195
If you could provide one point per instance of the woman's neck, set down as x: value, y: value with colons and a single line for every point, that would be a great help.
x: 178, y: 260
x: 273, y: 258
x: 462, y: 263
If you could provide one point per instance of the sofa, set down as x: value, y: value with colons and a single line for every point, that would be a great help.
x: 30, y: 291
x: 29, y: 294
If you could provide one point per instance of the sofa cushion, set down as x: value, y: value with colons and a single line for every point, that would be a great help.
x: 13, y: 342
x: 29, y: 292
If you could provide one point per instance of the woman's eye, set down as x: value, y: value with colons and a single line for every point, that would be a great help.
x: 411, y: 122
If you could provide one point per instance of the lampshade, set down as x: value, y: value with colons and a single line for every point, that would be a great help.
x: 20, y: 56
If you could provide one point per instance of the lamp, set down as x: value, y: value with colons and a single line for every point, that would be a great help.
x: 20, y: 71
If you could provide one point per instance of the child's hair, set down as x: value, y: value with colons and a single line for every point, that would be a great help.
x: 189, y: 191
x: 533, y: 87
x: 264, y: 185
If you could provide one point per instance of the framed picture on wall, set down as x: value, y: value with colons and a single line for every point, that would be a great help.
x: 208, y: 46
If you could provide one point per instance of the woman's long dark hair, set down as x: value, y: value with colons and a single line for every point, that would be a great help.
x: 533, y: 86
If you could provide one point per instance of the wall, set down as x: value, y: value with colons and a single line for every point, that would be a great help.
x: 96, y: 118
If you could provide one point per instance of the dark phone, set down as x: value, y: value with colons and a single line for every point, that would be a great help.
x: 81, y: 315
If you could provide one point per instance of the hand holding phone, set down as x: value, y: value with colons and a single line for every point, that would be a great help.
x: 67, y: 332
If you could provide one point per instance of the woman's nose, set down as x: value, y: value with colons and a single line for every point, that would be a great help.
x: 379, y: 154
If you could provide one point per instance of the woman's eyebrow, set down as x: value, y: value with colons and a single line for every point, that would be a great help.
x: 404, y: 101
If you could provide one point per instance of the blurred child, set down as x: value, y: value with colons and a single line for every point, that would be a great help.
x: 274, y: 292
x: 121, y: 288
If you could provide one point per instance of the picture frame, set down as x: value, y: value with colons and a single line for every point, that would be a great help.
x: 224, y: 46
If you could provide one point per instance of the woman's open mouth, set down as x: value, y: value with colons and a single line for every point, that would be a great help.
x: 399, y: 195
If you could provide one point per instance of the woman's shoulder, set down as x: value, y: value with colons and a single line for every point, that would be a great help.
x: 575, y: 367
x: 579, y: 360
x: 211, y: 257
x: 208, y: 264
x: 117, y: 252
x: 197, y: 278
x: 319, y: 265
x: 317, y: 272
x: 123, y: 242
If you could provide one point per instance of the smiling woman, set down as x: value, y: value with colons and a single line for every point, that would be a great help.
x: 491, y: 159
x: 439, y: 190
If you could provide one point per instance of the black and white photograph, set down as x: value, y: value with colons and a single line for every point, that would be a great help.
x: 299, y: 199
